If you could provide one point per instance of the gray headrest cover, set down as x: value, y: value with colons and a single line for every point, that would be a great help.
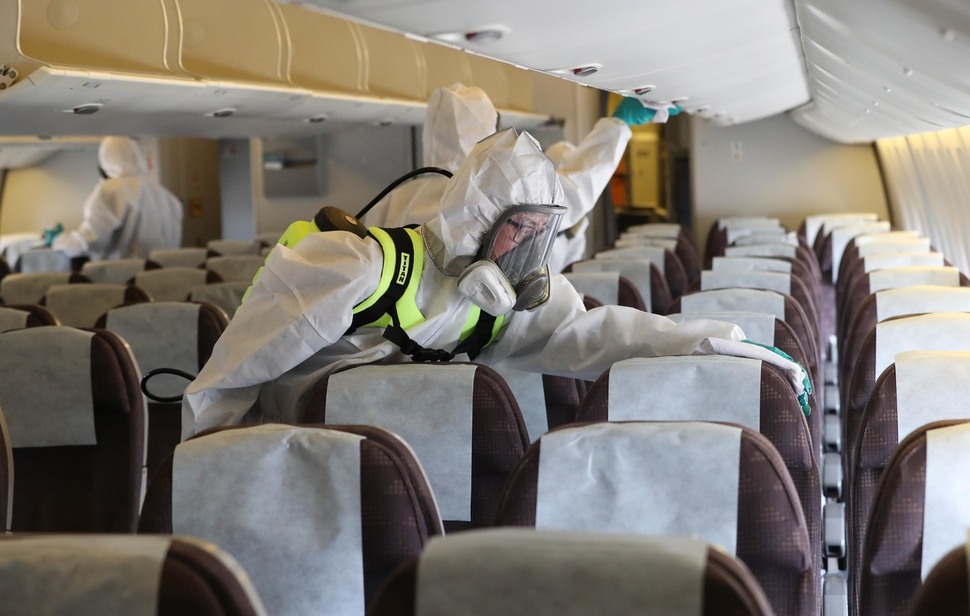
x: 75, y: 574
x: 235, y: 267
x: 226, y: 295
x: 170, y: 283
x: 47, y: 413
x: 905, y: 276
x: 161, y: 335
x: 882, y: 260
x: 921, y: 298
x: 947, y: 511
x: 758, y: 326
x: 676, y: 479
x: 632, y: 241
x: 430, y: 407
x: 756, y: 264
x: 80, y: 305
x: 603, y: 286
x: 115, y: 271
x: 784, y: 251
x: 529, y: 392
x: 893, y: 244
x: 299, y: 539
x: 749, y: 300
x: 721, y: 279
x: 525, y: 572
x: 29, y: 288
x: 654, y: 254
x: 940, y: 331
x: 637, y: 271
x: 689, y: 387
x: 931, y: 386
x: 179, y: 257
x: 11, y: 318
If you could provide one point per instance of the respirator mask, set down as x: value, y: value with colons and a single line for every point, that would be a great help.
x: 510, y: 271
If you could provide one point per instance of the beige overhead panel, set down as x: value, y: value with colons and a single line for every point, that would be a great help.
x: 205, y: 68
x: 492, y: 77
x: 730, y: 61
x: 392, y: 65
x: 326, y: 52
x: 885, y: 68
x: 444, y: 66
x: 234, y: 40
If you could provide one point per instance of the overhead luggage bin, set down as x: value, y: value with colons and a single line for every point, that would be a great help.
x: 326, y: 52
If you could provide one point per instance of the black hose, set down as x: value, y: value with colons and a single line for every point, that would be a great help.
x: 404, y: 178
x: 157, y: 371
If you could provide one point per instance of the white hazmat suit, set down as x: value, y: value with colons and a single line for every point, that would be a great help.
x: 128, y: 214
x: 460, y: 116
x: 289, y: 333
x: 457, y: 118
x: 584, y: 171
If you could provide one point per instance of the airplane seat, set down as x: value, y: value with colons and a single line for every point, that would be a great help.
x: 720, y: 388
x: 173, y: 284
x: 31, y: 288
x: 664, y: 259
x: 797, y: 268
x: 867, y: 244
x: 921, y: 387
x: 786, y: 284
x: 177, y: 335
x: 43, y: 259
x: 80, y: 305
x: 712, y: 481
x: 917, y: 517
x: 225, y: 248
x: 610, y: 288
x: 872, y: 261
x: 235, y: 268
x: 545, y: 401
x: 888, y: 303
x: 119, y: 574
x: 19, y: 316
x: 893, y: 278
x: 765, y: 328
x: 355, y: 505
x: 940, y: 331
x: 226, y: 295
x: 590, y: 302
x: 945, y: 591
x: 756, y: 300
x: 76, y: 420
x: 547, y: 573
x: 116, y: 271
x: 461, y: 419
x: 4, y: 267
x: 646, y: 276
x: 179, y: 257
x: 669, y: 235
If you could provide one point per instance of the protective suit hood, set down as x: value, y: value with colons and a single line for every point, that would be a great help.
x: 458, y: 117
x: 503, y: 170
x: 121, y: 157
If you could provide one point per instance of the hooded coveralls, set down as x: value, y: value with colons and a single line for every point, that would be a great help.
x: 290, y: 331
x: 129, y: 214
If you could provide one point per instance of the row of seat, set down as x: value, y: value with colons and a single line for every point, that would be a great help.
x: 899, y: 356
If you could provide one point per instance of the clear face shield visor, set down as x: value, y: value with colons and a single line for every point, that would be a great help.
x: 520, y: 243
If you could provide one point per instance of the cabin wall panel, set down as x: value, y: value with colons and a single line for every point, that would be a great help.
x: 773, y: 167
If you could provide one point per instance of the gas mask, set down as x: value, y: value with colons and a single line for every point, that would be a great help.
x: 510, y: 271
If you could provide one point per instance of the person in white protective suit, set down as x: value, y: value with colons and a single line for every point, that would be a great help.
x: 457, y: 118
x: 128, y: 214
x: 484, y: 251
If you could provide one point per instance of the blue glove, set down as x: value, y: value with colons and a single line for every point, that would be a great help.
x: 806, y: 381
x: 632, y: 111
x: 51, y: 233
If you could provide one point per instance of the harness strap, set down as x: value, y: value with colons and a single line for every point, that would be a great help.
x: 398, y: 282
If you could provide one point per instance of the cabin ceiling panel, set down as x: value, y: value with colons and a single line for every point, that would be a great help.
x: 710, y: 55
x: 884, y: 68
